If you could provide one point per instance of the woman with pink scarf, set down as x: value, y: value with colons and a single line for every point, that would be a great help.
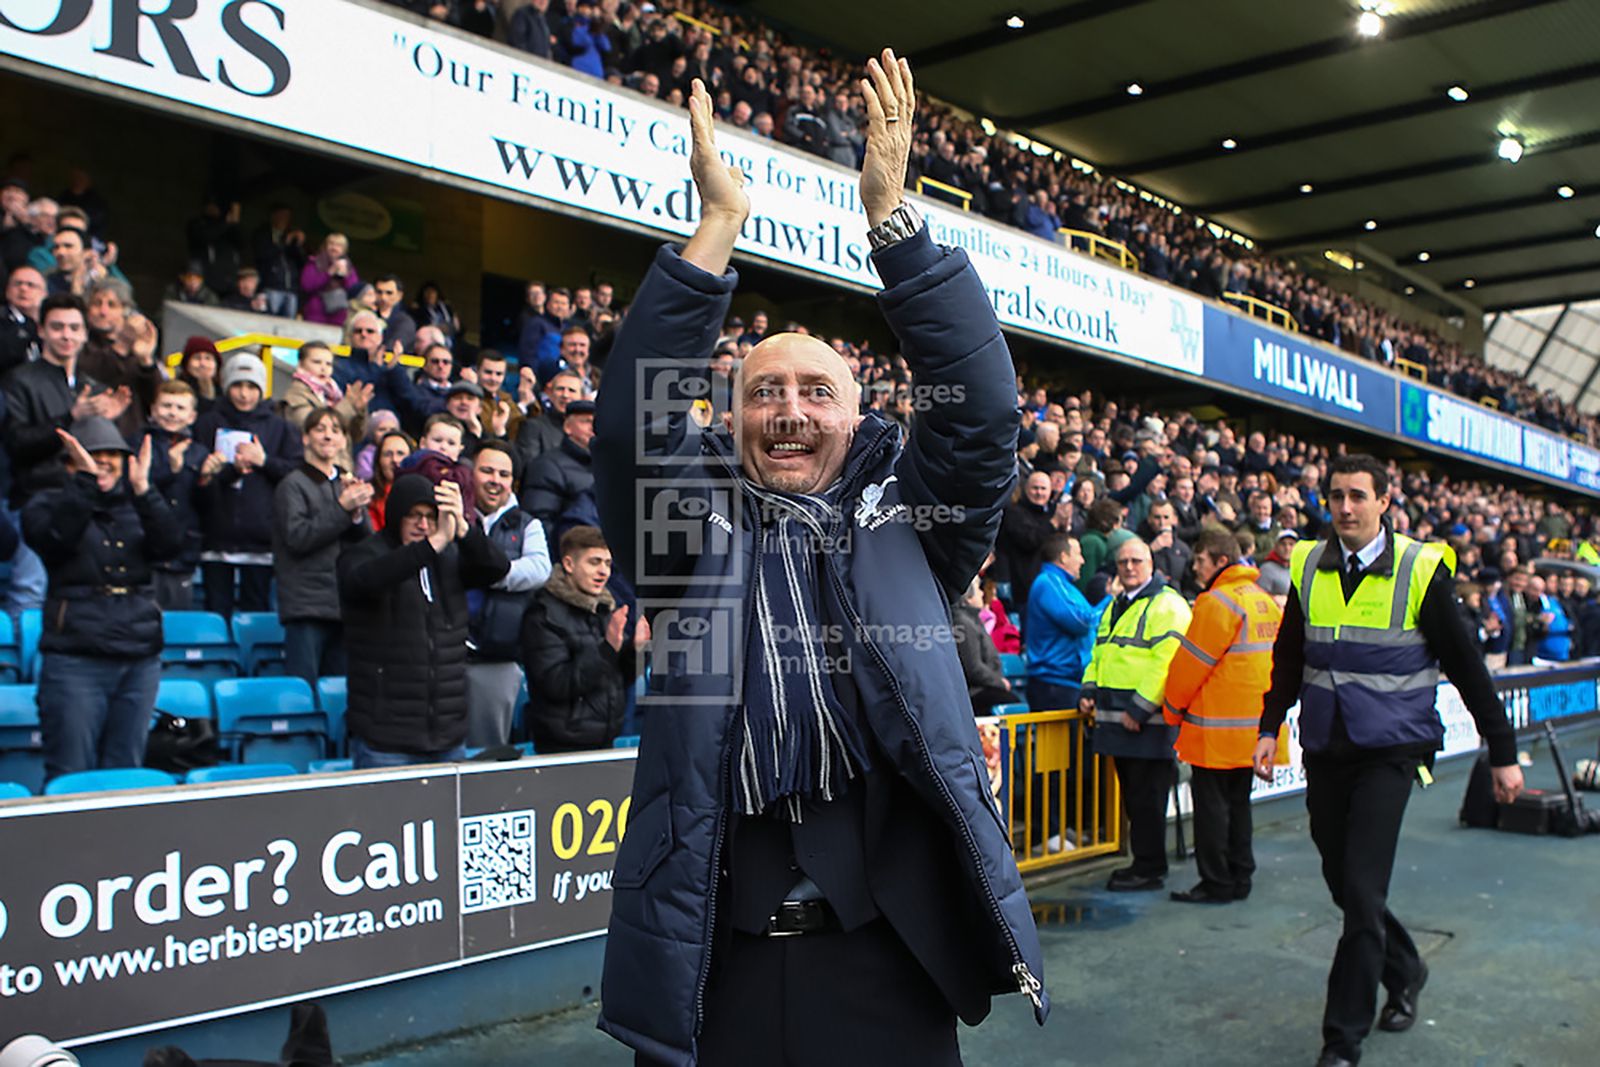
x: 313, y: 387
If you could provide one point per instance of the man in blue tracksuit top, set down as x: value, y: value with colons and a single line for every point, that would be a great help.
x: 1059, y: 628
x: 813, y: 871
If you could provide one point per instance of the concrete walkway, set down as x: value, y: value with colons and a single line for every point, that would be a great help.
x: 1510, y: 926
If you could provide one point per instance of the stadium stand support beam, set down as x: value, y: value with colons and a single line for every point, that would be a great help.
x: 1549, y: 336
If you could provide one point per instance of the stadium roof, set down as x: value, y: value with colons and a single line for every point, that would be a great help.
x: 1403, y: 128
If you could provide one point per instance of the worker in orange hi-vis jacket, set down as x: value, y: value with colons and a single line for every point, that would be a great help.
x: 1215, y: 686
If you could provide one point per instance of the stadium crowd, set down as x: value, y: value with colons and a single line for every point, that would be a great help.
x: 808, y: 98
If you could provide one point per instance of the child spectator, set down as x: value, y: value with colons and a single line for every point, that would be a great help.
x: 313, y: 387
x: 438, y: 456
x: 175, y: 474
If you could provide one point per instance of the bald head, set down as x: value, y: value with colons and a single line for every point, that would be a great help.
x: 795, y: 413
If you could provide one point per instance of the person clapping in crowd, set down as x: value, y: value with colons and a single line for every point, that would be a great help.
x: 98, y: 534
x: 175, y: 474
x: 318, y: 511
x: 250, y: 450
x: 403, y: 602
x: 575, y: 652
x: 494, y: 673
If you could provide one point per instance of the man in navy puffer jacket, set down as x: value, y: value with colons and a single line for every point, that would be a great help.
x: 809, y: 765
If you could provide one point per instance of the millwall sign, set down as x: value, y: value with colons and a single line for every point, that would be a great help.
x: 1294, y: 370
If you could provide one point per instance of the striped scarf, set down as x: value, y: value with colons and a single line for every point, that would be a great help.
x: 798, y: 742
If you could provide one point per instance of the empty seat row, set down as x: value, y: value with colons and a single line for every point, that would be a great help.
x: 198, y: 644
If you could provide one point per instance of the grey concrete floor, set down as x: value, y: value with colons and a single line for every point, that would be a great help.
x: 1510, y: 926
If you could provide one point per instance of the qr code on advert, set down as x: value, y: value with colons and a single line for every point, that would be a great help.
x: 497, y: 861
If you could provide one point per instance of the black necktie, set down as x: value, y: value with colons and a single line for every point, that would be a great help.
x: 1352, y: 574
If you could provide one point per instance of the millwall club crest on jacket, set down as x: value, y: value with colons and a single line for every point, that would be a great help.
x: 869, y: 513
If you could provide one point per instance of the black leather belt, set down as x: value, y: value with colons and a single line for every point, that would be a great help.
x: 795, y: 917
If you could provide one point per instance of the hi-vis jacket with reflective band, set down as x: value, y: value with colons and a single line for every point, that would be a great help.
x: 1366, y: 658
x: 1128, y: 671
x: 1222, y: 671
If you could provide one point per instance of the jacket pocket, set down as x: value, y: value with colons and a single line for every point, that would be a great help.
x: 646, y: 844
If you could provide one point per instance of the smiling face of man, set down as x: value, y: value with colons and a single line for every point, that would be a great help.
x: 795, y: 414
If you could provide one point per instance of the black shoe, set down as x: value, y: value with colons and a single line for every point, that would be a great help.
x: 1201, y: 895
x: 1330, y: 1058
x: 1400, y: 1013
x: 1241, y: 892
x: 1125, y: 881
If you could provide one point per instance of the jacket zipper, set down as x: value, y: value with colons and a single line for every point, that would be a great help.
x: 725, y: 795
x: 1026, y: 982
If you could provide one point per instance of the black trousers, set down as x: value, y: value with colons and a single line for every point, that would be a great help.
x: 255, y: 588
x: 857, y: 999
x: 1356, y: 806
x: 1146, y: 785
x: 1222, y: 828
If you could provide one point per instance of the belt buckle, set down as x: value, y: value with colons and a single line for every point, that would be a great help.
x: 797, y: 911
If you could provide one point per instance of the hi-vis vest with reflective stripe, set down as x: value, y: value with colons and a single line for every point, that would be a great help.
x: 1128, y: 671
x: 1366, y: 658
x: 1222, y: 671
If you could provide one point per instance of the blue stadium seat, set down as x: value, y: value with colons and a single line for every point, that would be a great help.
x: 10, y: 652
x: 1016, y: 620
x: 259, y: 636
x: 197, y: 644
x: 1010, y: 709
x: 21, y: 744
x: 237, y: 772
x: 1013, y: 666
x: 626, y: 741
x: 30, y: 628
x: 271, y: 720
x: 185, y: 698
x: 1003, y: 591
x: 333, y: 698
x: 14, y: 791
x: 108, y: 780
x: 329, y: 766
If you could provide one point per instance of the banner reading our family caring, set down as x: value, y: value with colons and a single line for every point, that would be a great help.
x: 120, y: 914
x: 371, y: 79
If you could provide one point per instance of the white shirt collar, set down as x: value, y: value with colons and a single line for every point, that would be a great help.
x: 493, y: 517
x: 1368, y: 554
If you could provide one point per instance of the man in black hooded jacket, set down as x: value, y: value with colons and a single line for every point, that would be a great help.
x: 403, y: 597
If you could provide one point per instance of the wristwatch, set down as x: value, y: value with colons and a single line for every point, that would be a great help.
x: 902, y: 222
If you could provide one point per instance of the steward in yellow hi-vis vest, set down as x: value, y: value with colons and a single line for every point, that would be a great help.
x: 1372, y: 619
x: 1124, y: 686
x: 1365, y: 657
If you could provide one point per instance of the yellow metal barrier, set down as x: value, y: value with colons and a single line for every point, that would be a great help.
x: 1260, y: 309
x: 1411, y: 369
x: 696, y: 23
x: 267, y: 342
x: 1054, y: 778
x: 948, y: 193
x: 1491, y: 402
x: 1100, y: 247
